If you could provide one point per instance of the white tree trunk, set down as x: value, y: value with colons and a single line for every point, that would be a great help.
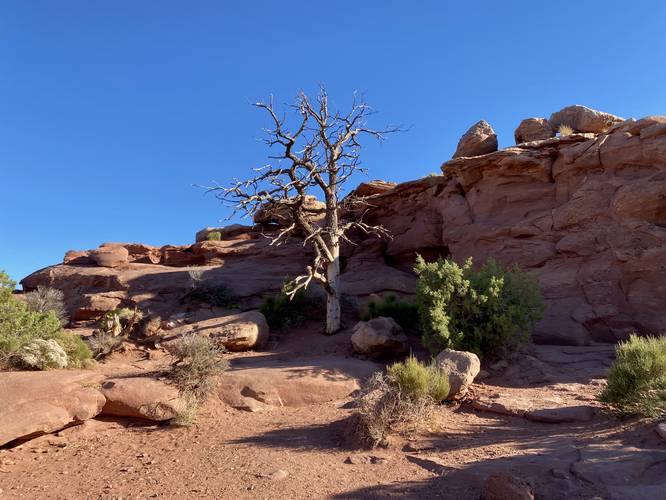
x: 333, y: 319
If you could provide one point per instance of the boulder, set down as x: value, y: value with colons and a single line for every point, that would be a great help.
x: 110, y: 256
x: 36, y: 403
x: 480, y: 139
x: 95, y: 305
x: 77, y: 257
x: 138, y: 252
x: 237, y: 332
x: 461, y: 367
x: 533, y: 129
x: 505, y: 486
x: 379, y: 337
x: 583, y: 119
x: 251, y: 384
x: 141, y: 397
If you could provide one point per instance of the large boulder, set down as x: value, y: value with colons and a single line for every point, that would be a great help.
x: 461, y: 367
x: 110, y: 256
x: 480, y: 139
x: 236, y: 332
x: 225, y: 232
x: 259, y: 382
x: 95, y: 305
x: 141, y: 397
x: 36, y: 403
x: 583, y: 119
x: 379, y: 337
x: 533, y: 129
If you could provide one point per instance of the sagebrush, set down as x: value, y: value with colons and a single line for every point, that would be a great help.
x: 214, y: 236
x: 637, y: 378
x: 482, y: 311
x: 403, y: 399
x: 211, y: 293
x: 45, y: 299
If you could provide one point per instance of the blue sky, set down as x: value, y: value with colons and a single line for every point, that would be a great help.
x: 111, y: 111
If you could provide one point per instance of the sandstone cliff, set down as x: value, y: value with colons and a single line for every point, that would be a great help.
x: 585, y: 212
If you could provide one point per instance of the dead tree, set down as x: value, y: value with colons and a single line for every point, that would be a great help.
x: 318, y: 156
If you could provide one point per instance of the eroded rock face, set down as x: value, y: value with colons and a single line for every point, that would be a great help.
x: 586, y: 213
x: 35, y: 403
x: 480, y: 139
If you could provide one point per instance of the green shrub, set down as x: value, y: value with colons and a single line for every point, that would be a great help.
x: 214, y: 236
x: 42, y: 354
x: 637, y: 378
x: 281, y: 311
x: 480, y: 311
x: 403, y: 398
x: 406, y: 314
x: 45, y: 299
x: 102, y: 344
x: 19, y: 327
x: 416, y: 380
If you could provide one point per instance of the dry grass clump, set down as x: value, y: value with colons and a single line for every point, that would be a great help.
x: 565, y: 130
x: 403, y: 399
x: 198, y: 363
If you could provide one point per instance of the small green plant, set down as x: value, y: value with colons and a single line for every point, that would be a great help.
x: 120, y: 322
x: 403, y: 398
x: 45, y: 299
x: 417, y: 381
x: 637, y: 378
x: 214, y: 294
x: 281, y: 311
x: 405, y: 313
x: 482, y: 311
x: 78, y: 352
x: 214, y: 236
x: 565, y: 130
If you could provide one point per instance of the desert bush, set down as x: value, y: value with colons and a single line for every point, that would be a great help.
x: 481, y: 311
x: 20, y: 327
x: 214, y: 294
x: 281, y: 311
x: 637, y: 378
x: 102, y: 344
x: 198, y: 362
x: 42, y: 354
x: 120, y: 322
x: 45, y: 299
x: 405, y: 313
x: 214, y: 236
x: 565, y: 130
x: 404, y: 398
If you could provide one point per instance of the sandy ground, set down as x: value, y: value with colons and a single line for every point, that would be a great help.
x: 303, y: 453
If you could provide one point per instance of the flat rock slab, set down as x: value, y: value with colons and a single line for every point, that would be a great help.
x: 561, y: 415
x: 298, y: 382
x: 36, y: 403
x: 141, y: 397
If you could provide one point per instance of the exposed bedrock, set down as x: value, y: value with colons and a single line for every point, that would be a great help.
x: 585, y: 212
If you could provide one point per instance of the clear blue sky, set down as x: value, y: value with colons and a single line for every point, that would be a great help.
x: 110, y: 111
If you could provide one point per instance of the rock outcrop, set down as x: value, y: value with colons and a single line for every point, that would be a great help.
x: 36, y: 403
x: 480, y: 139
x: 533, y: 129
x: 141, y: 397
x: 583, y: 119
x: 586, y: 213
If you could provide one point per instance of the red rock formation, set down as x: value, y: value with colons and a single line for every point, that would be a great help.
x: 586, y: 213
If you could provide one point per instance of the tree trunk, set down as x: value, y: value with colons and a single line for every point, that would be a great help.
x: 333, y: 319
